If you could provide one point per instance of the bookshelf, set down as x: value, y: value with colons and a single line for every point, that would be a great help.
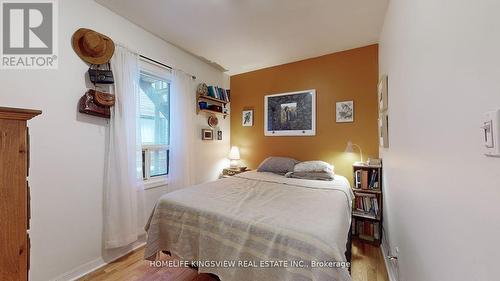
x: 215, y: 101
x: 367, y: 208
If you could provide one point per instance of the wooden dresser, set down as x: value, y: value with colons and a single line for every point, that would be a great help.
x: 14, y: 193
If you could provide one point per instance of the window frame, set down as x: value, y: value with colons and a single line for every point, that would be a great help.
x: 149, y: 182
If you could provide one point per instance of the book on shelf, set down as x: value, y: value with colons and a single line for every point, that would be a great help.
x: 366, y: 204
x: 365, y: 179
x: 211, y: 91
x: 365, y: 229
x: 357, y: 179
x: 221, y: 95
x: 373, y: 179
x: 376, y: 231
x: 218, y: 93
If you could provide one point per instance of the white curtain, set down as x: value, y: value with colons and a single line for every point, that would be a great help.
x: 123, y: 188
x: 182, y: 130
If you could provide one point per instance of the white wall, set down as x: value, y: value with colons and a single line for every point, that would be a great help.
x: 442, y: 195
x: 67, y: 148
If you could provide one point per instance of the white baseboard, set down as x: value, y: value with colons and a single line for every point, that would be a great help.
x: 390, y: 271
x: 81, y: 270
x: 84, y: 269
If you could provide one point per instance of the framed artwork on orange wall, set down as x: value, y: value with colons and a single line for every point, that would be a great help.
x: 290, y: 114
x: 247, y: 118
x: 344, y: 111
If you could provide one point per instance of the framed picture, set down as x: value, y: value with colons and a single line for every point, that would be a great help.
x: 344, y: 111
x: 383, y: 130
x: 247, y: 118
x: 290, y: 114
x: 219, y: 135
x: 382, y: 94
x: 207, y: 134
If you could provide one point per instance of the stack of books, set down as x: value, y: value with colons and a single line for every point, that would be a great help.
x: 366, y: 204
x: 366, y: 229
x: 365, y: 179
x: 219, y: 93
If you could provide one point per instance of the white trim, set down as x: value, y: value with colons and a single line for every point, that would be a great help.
x: 148, y: 180
x: 390, y: 273
x: 154, y: 69
x: 155, y: 146
x: 155, y: 182
x: 311, y: 132
x: 84, y: 269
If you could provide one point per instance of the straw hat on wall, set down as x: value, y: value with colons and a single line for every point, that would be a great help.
x: 93, y: 47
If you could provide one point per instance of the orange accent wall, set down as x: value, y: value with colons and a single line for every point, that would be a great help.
x: 347, y: 75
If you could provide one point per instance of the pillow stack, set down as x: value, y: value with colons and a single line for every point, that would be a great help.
x: 312, y: 170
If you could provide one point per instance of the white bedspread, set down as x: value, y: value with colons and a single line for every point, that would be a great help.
x: 257, y: 217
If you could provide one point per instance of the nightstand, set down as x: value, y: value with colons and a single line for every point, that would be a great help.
x: 228, y: 172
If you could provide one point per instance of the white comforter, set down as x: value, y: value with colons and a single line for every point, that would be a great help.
x: 254, y: 218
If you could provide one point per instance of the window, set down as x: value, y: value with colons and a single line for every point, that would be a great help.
x: 154, y: 110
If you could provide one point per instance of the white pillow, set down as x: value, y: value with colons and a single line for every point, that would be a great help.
x: 313, y: 166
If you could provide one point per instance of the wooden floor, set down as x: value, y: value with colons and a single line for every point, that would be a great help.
x: 368, y: 265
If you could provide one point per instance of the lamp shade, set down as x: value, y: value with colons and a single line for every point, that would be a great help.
x: 234, y: 154
x: 349, y: 147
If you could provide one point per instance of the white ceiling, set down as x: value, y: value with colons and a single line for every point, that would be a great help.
x: 245, y: 35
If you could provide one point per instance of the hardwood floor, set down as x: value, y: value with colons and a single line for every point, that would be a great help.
x: 368, y: 265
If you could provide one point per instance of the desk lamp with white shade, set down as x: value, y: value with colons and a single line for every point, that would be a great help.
x: 234, y: 156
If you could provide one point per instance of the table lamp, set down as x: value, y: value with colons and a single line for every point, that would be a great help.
x: 350, y: 148
x: 234, y: 156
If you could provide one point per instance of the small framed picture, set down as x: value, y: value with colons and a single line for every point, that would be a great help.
x: 247, y: 118
x: 344, y: 111
x: 383, y: 130
x: 207, y: 134
x: 219, y: 135
x: 382, y: 94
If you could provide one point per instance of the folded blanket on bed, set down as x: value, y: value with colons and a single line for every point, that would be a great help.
x: 325, y: 176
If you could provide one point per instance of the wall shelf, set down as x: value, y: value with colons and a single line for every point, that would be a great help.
x: 211, y: 101
x: 213, y: 112
x: 374, y: 191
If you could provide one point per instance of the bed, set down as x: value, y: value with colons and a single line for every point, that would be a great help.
x: 257, y: 226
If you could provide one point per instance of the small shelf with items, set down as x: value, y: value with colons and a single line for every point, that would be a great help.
x: 367, y: 204
x: 209, y: 111
x: 212, y: 100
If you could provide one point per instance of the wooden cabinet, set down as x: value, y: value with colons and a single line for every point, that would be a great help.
x: 14, y: 193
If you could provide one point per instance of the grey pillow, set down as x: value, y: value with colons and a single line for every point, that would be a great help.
x: 277, y: 165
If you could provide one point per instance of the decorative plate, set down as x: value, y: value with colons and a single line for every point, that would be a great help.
x: 202, y: 89
x: 213, y: 121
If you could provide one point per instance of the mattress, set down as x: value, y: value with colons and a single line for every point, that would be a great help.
x: 257, y: 226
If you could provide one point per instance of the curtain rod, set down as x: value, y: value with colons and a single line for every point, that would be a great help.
x: 164, y: 65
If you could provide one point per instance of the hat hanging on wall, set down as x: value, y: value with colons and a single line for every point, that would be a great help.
x: 92, y: 47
